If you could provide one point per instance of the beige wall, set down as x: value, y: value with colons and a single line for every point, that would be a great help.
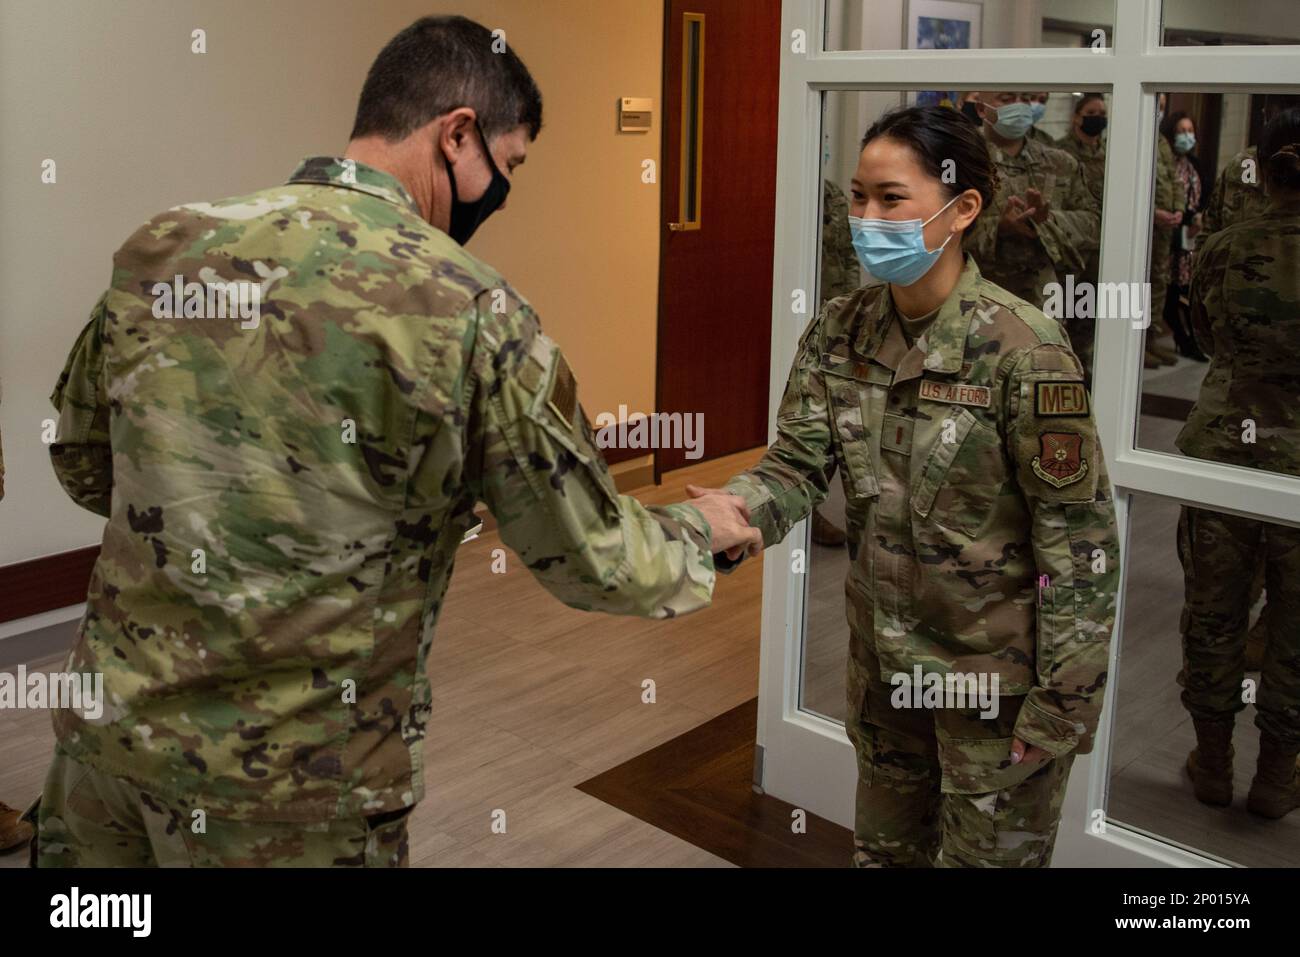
x: 138, y: 123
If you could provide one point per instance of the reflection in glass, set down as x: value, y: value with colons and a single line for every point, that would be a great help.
x: 1192, y: 23
x: 1222, y: 364
x: 1207, y: 638
x: 968, y: 24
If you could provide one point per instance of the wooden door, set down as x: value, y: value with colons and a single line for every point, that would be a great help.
x: 718, y: 181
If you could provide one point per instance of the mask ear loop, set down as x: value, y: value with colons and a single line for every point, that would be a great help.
x: 932, y: 219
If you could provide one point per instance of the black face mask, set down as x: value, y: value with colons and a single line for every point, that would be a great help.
x: 1092, y: 125
x: 466, y: 217
x: 972, y: 113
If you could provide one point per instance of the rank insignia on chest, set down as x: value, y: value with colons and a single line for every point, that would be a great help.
x: 1060, y: 462
x: 956, y: 393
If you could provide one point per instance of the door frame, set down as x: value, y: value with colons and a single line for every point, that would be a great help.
x: 805, y: 759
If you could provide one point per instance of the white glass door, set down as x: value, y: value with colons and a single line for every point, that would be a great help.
x: 846, y: 61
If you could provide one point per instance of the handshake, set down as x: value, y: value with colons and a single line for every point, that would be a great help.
x: 728, y: 517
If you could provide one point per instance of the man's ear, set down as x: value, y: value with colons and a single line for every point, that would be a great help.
x: 454, y: 131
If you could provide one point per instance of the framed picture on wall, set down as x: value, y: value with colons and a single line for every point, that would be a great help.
x: 941, y: 25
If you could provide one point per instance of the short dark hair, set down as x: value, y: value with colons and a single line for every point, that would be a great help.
x: 439, y: 64
x: 1279, y: 150
x: 937, y: 134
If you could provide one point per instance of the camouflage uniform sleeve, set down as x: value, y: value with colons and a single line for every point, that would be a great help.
x: 1073, y: 227
x: 1052, y: 441
x: 81, y: 453
x: 534, y: 462
x: 1213, y: 219
x: 792, y: 477
x: 1205, y: 293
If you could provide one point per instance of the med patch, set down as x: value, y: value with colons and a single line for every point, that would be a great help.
x: 1060, y: 398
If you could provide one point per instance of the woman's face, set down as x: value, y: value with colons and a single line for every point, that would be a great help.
x: 891, y: 184
x: 1185, y: 125
x: 1091, y: 108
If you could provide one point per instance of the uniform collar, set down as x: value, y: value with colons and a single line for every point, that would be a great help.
x: 945, y: 339
x: 1030, y: 154
x: 349, y: 174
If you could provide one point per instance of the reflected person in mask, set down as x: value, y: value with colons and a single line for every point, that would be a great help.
x: 980, y: 518
x: 1085, y: 142
x: 1044, y: 219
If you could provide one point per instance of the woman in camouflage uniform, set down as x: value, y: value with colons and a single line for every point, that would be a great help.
x: 980, y: 520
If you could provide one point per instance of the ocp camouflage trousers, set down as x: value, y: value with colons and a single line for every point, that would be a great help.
x: 936, y: 787
x: 87, y: 818
x: 1219, y: 554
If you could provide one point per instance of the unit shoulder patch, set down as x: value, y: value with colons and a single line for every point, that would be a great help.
x: 1060, y: 461
x: 1060, y: 398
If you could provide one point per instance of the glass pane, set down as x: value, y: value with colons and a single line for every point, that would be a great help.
x: 1195, y: 23
x: 1207, y: 631
x: 692, y: 117
x: 1221, y: 367
x: 1061, y: 160
x: 963, y: 25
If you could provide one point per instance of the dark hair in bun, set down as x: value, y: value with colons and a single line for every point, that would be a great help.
x: 1279, y: 150
x: 937, y: 134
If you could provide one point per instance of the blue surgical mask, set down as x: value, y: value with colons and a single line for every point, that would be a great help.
x: 1014, y: 120
x: 1038, y: 109
x: 1184, y: 142
x: 894, y: 249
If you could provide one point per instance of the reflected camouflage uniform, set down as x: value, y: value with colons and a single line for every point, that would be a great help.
x: 1245, y: 297
x: 326, y: 462
x: 971, y: 467
x: 840, y: 273
x: 1172, y: 197
x: 1038, y: 136
x: 1092, y: 163
x: 1237, y: 194
x: 1024, y: 267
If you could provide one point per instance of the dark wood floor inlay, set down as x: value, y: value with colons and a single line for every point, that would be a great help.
x: 698, y: 787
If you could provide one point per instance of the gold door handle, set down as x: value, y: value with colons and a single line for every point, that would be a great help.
x: 676, y: 227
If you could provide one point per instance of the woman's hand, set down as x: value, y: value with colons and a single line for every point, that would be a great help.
x: 728, y: 516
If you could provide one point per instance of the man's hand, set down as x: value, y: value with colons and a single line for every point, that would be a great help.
x: 1039, y: 206
x: 728, y: 517
x: 1014, y: 216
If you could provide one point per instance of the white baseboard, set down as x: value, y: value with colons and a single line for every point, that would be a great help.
x: 20, y: 626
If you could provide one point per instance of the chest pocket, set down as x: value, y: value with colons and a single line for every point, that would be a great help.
x: 847, y: 383
x: 959, y: 480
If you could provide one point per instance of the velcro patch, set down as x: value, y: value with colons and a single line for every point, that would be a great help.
x: 1060, y: 461
x: 1060, y: 398
x: 956, y: 393
x: 563, y: 400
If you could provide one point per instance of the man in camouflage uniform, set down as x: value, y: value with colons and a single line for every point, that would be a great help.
x: 1044, y: 220
x: 285, y: 498
x: 1090, y: 152
x: 948, y: 538
x: 1245, y: 297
